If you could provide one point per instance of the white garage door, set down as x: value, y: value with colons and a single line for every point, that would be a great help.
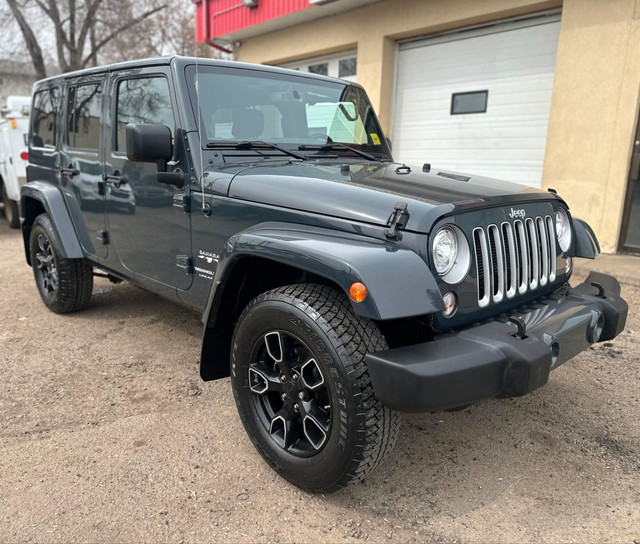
x: 478, y: 101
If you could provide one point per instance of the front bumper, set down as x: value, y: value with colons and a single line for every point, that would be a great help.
x: 499, y: 358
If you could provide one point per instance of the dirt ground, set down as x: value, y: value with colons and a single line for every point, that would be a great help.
x: 108, y: 435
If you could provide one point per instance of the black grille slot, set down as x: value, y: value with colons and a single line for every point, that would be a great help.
x: 507, y: 252
x: 523, y: 267
x: 479, y: 264
x: 494, y: 261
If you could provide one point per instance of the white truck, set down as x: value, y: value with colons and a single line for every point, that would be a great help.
x: 14, y: 131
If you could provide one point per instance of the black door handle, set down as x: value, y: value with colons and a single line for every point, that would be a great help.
x: 115, y: 178
x: 71, y: 171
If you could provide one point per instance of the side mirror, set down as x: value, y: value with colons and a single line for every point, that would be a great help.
x: 149, y: 143
x: 152, y: 143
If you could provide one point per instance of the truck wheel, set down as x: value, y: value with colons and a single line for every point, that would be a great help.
x: 11, y: 212
x: 65, y: 285
x: 303, y: 390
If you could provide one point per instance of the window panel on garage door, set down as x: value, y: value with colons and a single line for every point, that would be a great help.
x: 342, y: 65
x: 513, y: 65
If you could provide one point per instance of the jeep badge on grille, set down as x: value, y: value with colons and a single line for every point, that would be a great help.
x: 513, y: 214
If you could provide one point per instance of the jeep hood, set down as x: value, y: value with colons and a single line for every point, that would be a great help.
x: 367, y: 192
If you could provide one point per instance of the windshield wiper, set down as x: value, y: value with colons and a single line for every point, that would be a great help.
x: 255, y: 144
x: 333, y: 146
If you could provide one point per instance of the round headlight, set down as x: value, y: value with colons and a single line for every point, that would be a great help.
x: 451, y: 255
x: 563, y: 230
x: 445, y: 250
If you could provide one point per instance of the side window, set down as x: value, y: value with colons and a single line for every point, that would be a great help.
x: 83, y: 116
x: 142, y: 100
x: 44, y: 118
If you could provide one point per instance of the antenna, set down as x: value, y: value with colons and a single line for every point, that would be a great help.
x: 200, y: 132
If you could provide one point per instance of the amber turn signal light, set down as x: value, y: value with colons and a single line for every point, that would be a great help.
x: 357, y: 291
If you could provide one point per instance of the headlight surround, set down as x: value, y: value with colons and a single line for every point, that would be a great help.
x: 450, y: 254
x: 563, y: 229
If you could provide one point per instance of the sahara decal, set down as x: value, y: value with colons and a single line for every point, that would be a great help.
x: 208, y: 256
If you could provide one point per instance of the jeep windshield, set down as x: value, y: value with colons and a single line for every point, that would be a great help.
x: 312, y: 117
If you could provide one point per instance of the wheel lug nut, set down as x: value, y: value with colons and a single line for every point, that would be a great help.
x: 296, y: 407
x: 282, y: 377
x: 295, y: 377
x: 283, y: 396
x: 302, y: 395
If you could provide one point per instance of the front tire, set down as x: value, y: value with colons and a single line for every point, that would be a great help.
x: 11, y: 211
x: 65, y: 285
x: 303, y: 390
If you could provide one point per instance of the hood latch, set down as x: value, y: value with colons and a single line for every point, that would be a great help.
x: 398, y: 219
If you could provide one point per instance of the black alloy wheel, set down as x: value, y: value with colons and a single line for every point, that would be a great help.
x: 291, y: 395
x: 45, y: 265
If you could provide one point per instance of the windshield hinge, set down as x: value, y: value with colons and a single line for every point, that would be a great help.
x: 103, y: 236
x: 397, y: 220
x: 185, y: 262
x: 182, y: 201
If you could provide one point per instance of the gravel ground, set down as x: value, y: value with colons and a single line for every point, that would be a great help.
x: 108, y: 435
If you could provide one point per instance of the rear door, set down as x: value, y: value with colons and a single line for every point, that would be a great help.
x: 82, y: 161
x: 147, y: 225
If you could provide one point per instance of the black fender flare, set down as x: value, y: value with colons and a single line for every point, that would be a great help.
x: 399, y: 282
x: 52, y: 200
x: 586, y: 243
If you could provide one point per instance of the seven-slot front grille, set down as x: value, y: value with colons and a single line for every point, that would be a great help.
x: 514, y: 258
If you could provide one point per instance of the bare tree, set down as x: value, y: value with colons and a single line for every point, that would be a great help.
x: 168, y: 32
x: 82, y: 28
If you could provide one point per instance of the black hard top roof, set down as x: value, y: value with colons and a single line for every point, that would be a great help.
x: 181, y: 62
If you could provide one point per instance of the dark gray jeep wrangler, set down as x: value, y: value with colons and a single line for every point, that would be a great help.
x: 337, y: 288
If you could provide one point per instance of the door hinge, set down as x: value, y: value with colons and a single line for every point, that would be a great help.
x: 182, y: 201
x: 397, y: 220
x: 103, y: 236
x: 184, y: 261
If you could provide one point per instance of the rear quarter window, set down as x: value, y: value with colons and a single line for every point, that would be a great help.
x: 45, y: 118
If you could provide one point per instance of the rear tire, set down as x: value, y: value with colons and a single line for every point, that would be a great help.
x: 65, y: 285
x: 11, y: 210
x: 303, y: 390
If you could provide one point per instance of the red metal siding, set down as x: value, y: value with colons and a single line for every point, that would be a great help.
x: 226, y: 16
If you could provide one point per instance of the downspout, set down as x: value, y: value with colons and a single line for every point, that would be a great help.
x: 212, y: 43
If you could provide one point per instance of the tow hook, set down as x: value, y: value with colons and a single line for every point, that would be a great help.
x: 600, y: 289
x: 522, y: 328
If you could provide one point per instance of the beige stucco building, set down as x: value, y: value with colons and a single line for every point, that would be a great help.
x: 564, y: 103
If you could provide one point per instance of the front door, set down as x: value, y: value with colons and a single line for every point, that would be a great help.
x: 147, y: 226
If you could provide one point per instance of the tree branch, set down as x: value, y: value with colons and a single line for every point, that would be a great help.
x: 32, y: 44
x: 61, y: 38
x: 124, y: 27
x: 88, y: 26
